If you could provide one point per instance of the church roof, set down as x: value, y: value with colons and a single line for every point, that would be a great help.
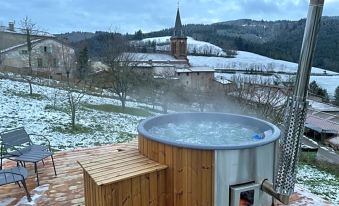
x: 178, y: 31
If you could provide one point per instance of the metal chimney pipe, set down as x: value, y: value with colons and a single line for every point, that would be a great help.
x: 297, y: 105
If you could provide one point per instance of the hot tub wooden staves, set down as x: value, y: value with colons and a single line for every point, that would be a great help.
x: 190, y: 172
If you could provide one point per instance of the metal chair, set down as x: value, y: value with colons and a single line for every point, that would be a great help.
x: 15, y: 175
x: 17, y: 145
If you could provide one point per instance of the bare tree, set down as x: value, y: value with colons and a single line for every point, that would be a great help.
x: 260, y: 97
x: 73, y: 101
x: 29, y: 27
x: 121, y: 65
x: 166, y: 88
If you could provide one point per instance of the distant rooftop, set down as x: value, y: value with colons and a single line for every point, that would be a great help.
x: 22, y: 31
x: 322, y: 107
x: 195, y: 69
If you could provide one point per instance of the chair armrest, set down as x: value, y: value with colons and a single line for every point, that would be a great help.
x: 13, y: 173
x: 43, y: 137
x: 11, y: 147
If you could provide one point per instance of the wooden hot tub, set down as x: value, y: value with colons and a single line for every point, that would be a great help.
x: 204, y: 174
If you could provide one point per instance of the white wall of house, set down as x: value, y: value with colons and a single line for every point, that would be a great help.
x: 48, y: 55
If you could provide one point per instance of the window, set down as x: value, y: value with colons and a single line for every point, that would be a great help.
x: 45, y: 48
x: 23, y: 52
x: 55, y: 63
x: 39, y: 63
x: 198, y: 73
x: 178, y: 74
x: 187, y: 73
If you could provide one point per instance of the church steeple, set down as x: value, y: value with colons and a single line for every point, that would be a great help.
x: 178, y: 40
x: 178, y: 26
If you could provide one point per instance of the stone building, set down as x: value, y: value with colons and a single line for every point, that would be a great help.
x: 196, y: 78
x: 49, y: 56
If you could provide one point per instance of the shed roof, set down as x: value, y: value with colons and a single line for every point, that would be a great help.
x: 321, y: 125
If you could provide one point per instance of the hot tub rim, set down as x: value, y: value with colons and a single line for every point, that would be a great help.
x: 272, y: 138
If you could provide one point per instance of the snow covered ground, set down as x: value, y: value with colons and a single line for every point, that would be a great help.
x: 330, y: 83
x: 17, y: 111
x: 194, y: 46
x: 319, y: 182
x: 247, y: 60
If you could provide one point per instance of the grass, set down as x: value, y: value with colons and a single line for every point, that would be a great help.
x: 49, y: 107
x: 26, y: 95
x: 320, y: 177
x: 78, y: 129
x: 124, y: 137
x: 119, y: 109
x: 151, y: 109
x: 309, y: 158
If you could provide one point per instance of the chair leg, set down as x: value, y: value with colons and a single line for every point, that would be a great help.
x: 1, y: 163
x: 36, y: 172
x: 18, y: 184
x: 23, y: 182
x: 43, y: 162
x: 53, y: 165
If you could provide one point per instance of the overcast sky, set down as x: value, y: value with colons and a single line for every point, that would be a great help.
x: 58, y: 16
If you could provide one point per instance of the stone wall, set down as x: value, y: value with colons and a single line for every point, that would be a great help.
x: 202, y: 81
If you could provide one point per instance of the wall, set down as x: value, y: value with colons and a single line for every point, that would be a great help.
x: 196, y: 80
x: 9, y: 39
x: 54, y: 52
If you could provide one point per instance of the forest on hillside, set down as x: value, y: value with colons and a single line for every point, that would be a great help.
x: 276, y: 39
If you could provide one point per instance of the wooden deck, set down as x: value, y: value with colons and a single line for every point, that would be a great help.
x: 67, y: 188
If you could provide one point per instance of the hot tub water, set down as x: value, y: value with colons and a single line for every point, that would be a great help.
x: 206, y: 132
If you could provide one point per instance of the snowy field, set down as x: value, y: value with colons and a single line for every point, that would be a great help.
x: 246, y: 60
x: 193, y: 46
x: 17, y: 111
x: 330, y: 83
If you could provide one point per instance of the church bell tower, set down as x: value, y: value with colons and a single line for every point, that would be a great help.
x: 178, y: 40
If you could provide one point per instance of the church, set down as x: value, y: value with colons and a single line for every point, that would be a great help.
x: 175, y: 62
x: 179, y: 40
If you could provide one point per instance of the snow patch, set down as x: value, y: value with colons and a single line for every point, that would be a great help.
x: 36, y: 195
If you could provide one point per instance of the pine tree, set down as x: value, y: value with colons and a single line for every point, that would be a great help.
x: 336, y: 96
x: 83, y: 67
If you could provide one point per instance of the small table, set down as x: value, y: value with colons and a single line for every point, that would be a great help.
x: 123, y: 178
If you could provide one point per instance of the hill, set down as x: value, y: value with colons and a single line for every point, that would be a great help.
x: 194, y: 47
x: 276, y: 39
